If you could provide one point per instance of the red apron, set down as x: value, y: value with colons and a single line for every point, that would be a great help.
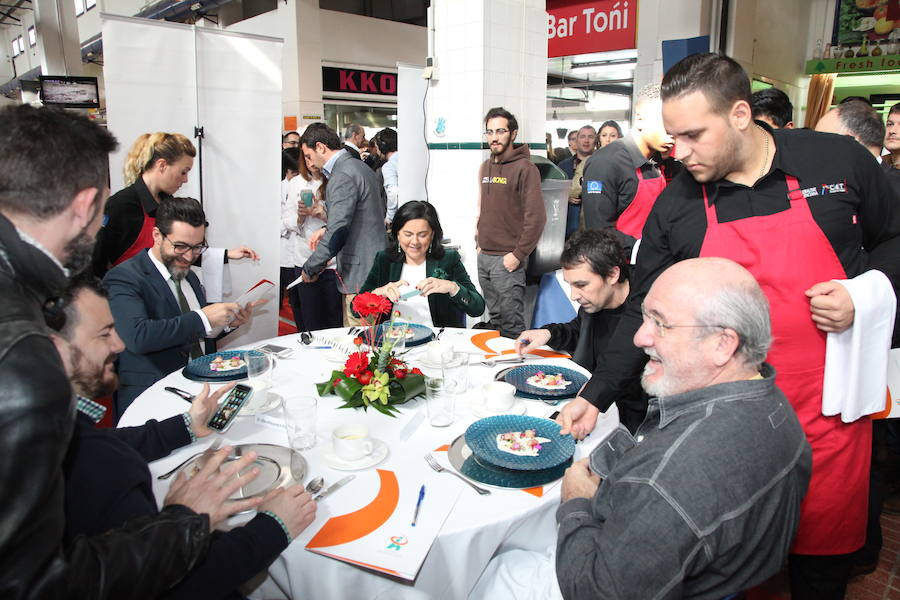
x: 788, y: 253
x: 631, y: 221
x: 144, y: 239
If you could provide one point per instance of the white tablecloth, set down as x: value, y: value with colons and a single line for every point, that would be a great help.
x: 477, y: 528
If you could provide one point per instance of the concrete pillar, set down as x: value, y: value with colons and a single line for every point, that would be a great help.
x: 302, y: 62
x: 57, y: 37
x: 487, y: 53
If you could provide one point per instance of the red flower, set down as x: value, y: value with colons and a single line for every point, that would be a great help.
x: 365, y: 377
x: 416, y: 371
x: 368, y: 304
x: 358, y: 341
x: 356, y: 363
x: 336, y: 381
x: 400, y: 373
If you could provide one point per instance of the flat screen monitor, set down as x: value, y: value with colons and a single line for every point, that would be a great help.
x: 70, y: 91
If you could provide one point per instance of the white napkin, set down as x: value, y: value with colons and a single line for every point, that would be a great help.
x: 216, y: 278
x: 856, y: 360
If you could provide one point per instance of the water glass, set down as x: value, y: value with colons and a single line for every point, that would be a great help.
x: 439, y: 402
x: 300, y: 421
x: 455, y: 370
x: 259, y: 370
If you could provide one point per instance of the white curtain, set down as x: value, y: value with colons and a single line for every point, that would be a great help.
x: 171, y: 77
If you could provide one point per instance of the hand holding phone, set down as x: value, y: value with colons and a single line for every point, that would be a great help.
x: 225, y: 415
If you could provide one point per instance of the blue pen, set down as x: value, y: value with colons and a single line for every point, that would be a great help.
x: 418, y: 504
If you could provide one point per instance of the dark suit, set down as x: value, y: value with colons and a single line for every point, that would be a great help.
x: 353, y: 152
x: 157, y: 336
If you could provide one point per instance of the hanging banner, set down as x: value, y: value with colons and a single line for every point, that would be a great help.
x: 358, y: 81
x: 598, y: 26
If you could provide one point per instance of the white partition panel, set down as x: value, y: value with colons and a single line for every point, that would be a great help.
x: 411, y: 132
x: 172, y: 77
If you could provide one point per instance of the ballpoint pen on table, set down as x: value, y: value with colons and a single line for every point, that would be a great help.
x: 418, y: 505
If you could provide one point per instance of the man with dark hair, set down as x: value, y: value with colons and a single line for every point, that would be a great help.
x: 291, y: 139
x: 596, y: 268
x: 622, y: 180
x: 159, y: 305
x: 772, y: 106
x: 354, y: 140
x: 511, y: 218
x: 100, y: 499
x: 799, y: 210
x: 857, y: 119
x: 354, y: 231
x: 585, y: 143
x: 892, y: 144
x: 53, y: 174
x: 386, y: 142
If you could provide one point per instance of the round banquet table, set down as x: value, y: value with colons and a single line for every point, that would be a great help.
x: 477, y: 527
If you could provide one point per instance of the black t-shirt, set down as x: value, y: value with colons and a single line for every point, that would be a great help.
x: 849, y: 197
x: 610, y: 182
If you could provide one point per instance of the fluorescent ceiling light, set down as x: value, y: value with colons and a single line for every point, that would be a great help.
x: 600, y: 56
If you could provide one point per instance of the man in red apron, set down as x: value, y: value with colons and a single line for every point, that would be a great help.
x: 622, y: 180
x: 797, y: 209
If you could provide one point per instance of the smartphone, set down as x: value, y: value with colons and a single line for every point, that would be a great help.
x: 230, y: 407
x: 307, y: 197
x: 276, y: 350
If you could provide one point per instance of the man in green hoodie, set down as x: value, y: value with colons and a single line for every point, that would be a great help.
x: 511, y: 218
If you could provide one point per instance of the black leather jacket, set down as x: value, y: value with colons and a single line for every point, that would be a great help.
x: 141, y: 560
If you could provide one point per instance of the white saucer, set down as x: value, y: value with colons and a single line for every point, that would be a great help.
x: 481, y: 411
x: 252, y: 408
x: 379, y: 453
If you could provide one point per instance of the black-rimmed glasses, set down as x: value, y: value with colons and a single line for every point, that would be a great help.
x: 182, y: 248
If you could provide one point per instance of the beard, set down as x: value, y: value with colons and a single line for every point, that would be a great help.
x: 175, y: 270
x: 89, y: 380
x: 79, y: 251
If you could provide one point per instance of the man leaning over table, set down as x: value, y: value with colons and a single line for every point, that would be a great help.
x: 53, y: 173
x: 100, y: 499
x: 159, y: 305
x: 704, y: 500
x: 595, y: 266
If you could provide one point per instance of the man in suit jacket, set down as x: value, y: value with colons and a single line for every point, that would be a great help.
x: 355, y: 140
x: 159, y: 306
x: 354, y: 231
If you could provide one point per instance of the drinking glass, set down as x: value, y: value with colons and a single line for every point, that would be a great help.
x: 455, y: 370
x: 300, y: 421
x: 439, y: 402
x: 259, y: 370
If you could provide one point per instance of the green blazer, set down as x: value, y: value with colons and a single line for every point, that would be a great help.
x: 446, y: 310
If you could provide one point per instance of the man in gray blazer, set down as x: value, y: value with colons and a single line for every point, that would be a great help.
x: 355, y: 228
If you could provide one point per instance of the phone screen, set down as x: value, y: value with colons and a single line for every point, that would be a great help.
x: 273, y: 348
x: 229, y: 409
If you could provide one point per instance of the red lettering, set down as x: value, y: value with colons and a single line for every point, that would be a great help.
x: 388, y: 84
x: 347, y: 82
x: 367, y: 82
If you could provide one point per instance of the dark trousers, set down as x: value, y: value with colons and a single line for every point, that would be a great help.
x: 819, y: 577
x: 319, y: 304
x: 287, y: 275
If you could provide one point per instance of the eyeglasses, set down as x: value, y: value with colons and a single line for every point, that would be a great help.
x: 661, y: 328
x: 490, y: 132
x: 182, y: 248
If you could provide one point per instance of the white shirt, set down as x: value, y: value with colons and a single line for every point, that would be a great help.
x: 289, y: 230
x: 186, y: 289
x: 391, y: 184
x: 300, y: 250
x: 415, y: 309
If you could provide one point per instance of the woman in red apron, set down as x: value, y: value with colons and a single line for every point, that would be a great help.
x: 833, y: 514
x: 157, y: 166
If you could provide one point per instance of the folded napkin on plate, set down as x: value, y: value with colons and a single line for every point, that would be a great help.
x: 856, y: 360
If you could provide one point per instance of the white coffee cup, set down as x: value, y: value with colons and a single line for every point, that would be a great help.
x: 436, y: 350
x: 352, y: 442
x: 498, y: 395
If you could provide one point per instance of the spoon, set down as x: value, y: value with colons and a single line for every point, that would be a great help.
x: 315, y: 485
x: 490, y: 362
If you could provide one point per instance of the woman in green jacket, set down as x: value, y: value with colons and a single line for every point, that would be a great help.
x: 427, y: 284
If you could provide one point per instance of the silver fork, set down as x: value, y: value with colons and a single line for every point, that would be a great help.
x: 434, y: 464
x: 212, y: 448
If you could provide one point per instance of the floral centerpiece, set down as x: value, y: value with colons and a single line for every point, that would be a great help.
x: 375, y: 376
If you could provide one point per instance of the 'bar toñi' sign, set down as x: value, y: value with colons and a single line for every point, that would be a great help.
x: 584, y: 27
x: 357, y: 81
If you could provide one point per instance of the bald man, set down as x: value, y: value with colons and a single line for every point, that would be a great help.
x: 704, y: 499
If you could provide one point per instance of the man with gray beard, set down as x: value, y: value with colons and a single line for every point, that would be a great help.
x: 159, y: 306
x: 704, y: 500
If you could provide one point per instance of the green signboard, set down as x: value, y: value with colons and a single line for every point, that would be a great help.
x: 862, y: 64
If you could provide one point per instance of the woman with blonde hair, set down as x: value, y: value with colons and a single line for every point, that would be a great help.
x: 156, y: 167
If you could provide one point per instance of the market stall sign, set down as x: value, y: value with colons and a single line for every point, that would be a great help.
x: 357, y: 81
x: 862, y: 64
x: 585, y: 27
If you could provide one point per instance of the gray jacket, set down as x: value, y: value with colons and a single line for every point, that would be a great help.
x: 355, y: 227
x: 701, y: 503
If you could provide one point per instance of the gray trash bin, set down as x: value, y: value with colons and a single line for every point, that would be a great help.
x: 545, y: 257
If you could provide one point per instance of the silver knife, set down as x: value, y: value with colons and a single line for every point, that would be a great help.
x: 334, y: 487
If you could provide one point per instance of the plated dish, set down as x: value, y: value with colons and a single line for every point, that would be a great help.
x: 209, y: 367
x: 545, y: 381
x: 464, y: 460
x: 481, y: 437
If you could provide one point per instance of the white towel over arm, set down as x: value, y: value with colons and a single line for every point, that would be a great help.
x: 856, y: 360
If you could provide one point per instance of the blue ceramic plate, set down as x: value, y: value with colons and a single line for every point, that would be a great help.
x: 481, y: 437
x: 198, y: 369
x: 421, y: 334
x: 518, y: 377
x: 471, y: 466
